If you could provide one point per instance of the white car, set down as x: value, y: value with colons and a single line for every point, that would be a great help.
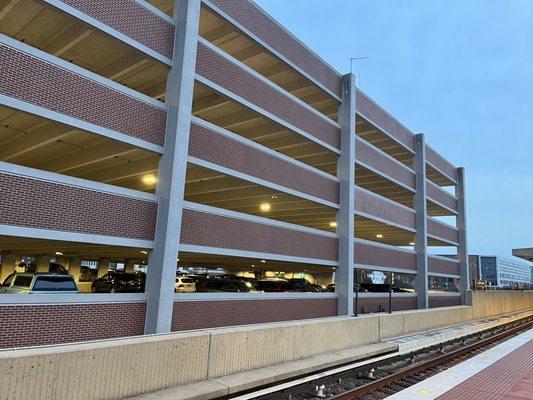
x: 184, y: 284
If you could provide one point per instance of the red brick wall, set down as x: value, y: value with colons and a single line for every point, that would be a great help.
x: 378, y: 116
x: 221, y: 71
x: 210, y: 314
x: 203, y: 229
x: 438, y: 265
x: 33, y: 325
x: 253, y: 19
x: 131, y: 19
x: 444, y: 301
x: 441, y: 230
x: 45, y: 205
x: 219, y: 149
x: 35, y: 81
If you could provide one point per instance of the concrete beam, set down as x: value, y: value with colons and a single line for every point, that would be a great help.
x: 172, y: 169
x: 462, y: 250
x: 420, y: 206
x: 344, y: 275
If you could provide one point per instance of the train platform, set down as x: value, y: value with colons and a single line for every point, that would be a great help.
x: 505, y: 372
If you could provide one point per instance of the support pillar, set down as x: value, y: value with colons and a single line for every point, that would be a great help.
x: 462, y: 250
x: 7, y: 266
x: 103, y: 267
x: 74, y: 268
x: 43, y: 264
x: 162, y: 262
x: 420, y: 206
x: 344, y: 275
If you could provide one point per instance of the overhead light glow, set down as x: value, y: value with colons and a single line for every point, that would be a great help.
x: 265, y: 207
x: 412, y: 243
x: 149, y: 179
x: 144, y: 252
x: 333, y: 224
x: 58, y: 253
x: 379, y: 235
x: 263, y: 261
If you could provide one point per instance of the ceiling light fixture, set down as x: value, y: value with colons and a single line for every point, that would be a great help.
x: 58, y: 253
x: 144, y: 252
x: 265, y: 207
x: 379, y: 235
x: 333, y: 224
x: 149, y: 179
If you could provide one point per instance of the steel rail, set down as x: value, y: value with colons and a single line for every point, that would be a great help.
x: 428, y: 365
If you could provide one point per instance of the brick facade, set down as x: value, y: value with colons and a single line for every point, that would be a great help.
x: 132, y: 19
x: 61, y: 207
x: 223, y: 72
x: 255, y: 20
x: 40, y: 83
x: 203, y: 229
x: 189, y: 315
x: 35, y: 325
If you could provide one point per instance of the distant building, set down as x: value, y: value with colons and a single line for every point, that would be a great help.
x: 503, y: 272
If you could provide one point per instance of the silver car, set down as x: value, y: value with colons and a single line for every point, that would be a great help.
x: 39, y: 283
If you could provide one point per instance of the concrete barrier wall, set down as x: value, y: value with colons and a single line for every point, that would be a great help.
x: 495, y: 302
x: 111, y: 369
x: 235, y: 350
x: 407, y: 322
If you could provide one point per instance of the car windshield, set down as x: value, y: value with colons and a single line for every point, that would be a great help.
x: 54, y: 284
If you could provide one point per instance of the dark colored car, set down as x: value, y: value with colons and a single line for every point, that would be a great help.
x: 273, y: 286
x: 120, y: 282
x: 224, y: 285
x: 303, y: 285
x: 331, y: 288
x: 381, y: 288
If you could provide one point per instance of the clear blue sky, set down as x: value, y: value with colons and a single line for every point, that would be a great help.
x: 461, y: 71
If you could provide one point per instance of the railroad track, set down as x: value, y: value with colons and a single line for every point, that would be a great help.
x: 390, y: 374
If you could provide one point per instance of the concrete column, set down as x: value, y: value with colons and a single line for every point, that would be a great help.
x: 420, y: 205
x: 74, y: 268
x: 103, y: 267
x: 346, y: 213
x: 462, y: 250
x: 43, y: 264
x: 7, y: 266
x: 162, y: 262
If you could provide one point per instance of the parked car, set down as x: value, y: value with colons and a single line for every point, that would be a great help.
x: 53, y: 268
x: 331, y: 288
x: 224, y: 285
x: 184, y: 284
x: 120, y: 282
x: 35, y: 283
x: 303, y: 285
x: 273, y: 286
x: 381, y: 288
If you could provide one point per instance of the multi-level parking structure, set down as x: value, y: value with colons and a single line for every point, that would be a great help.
x: 203, y: 132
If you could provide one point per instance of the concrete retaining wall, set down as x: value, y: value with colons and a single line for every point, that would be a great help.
x: 241, y: 349
x: 495, y: 302
x: 110, y: 369
x: 407, y: 322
